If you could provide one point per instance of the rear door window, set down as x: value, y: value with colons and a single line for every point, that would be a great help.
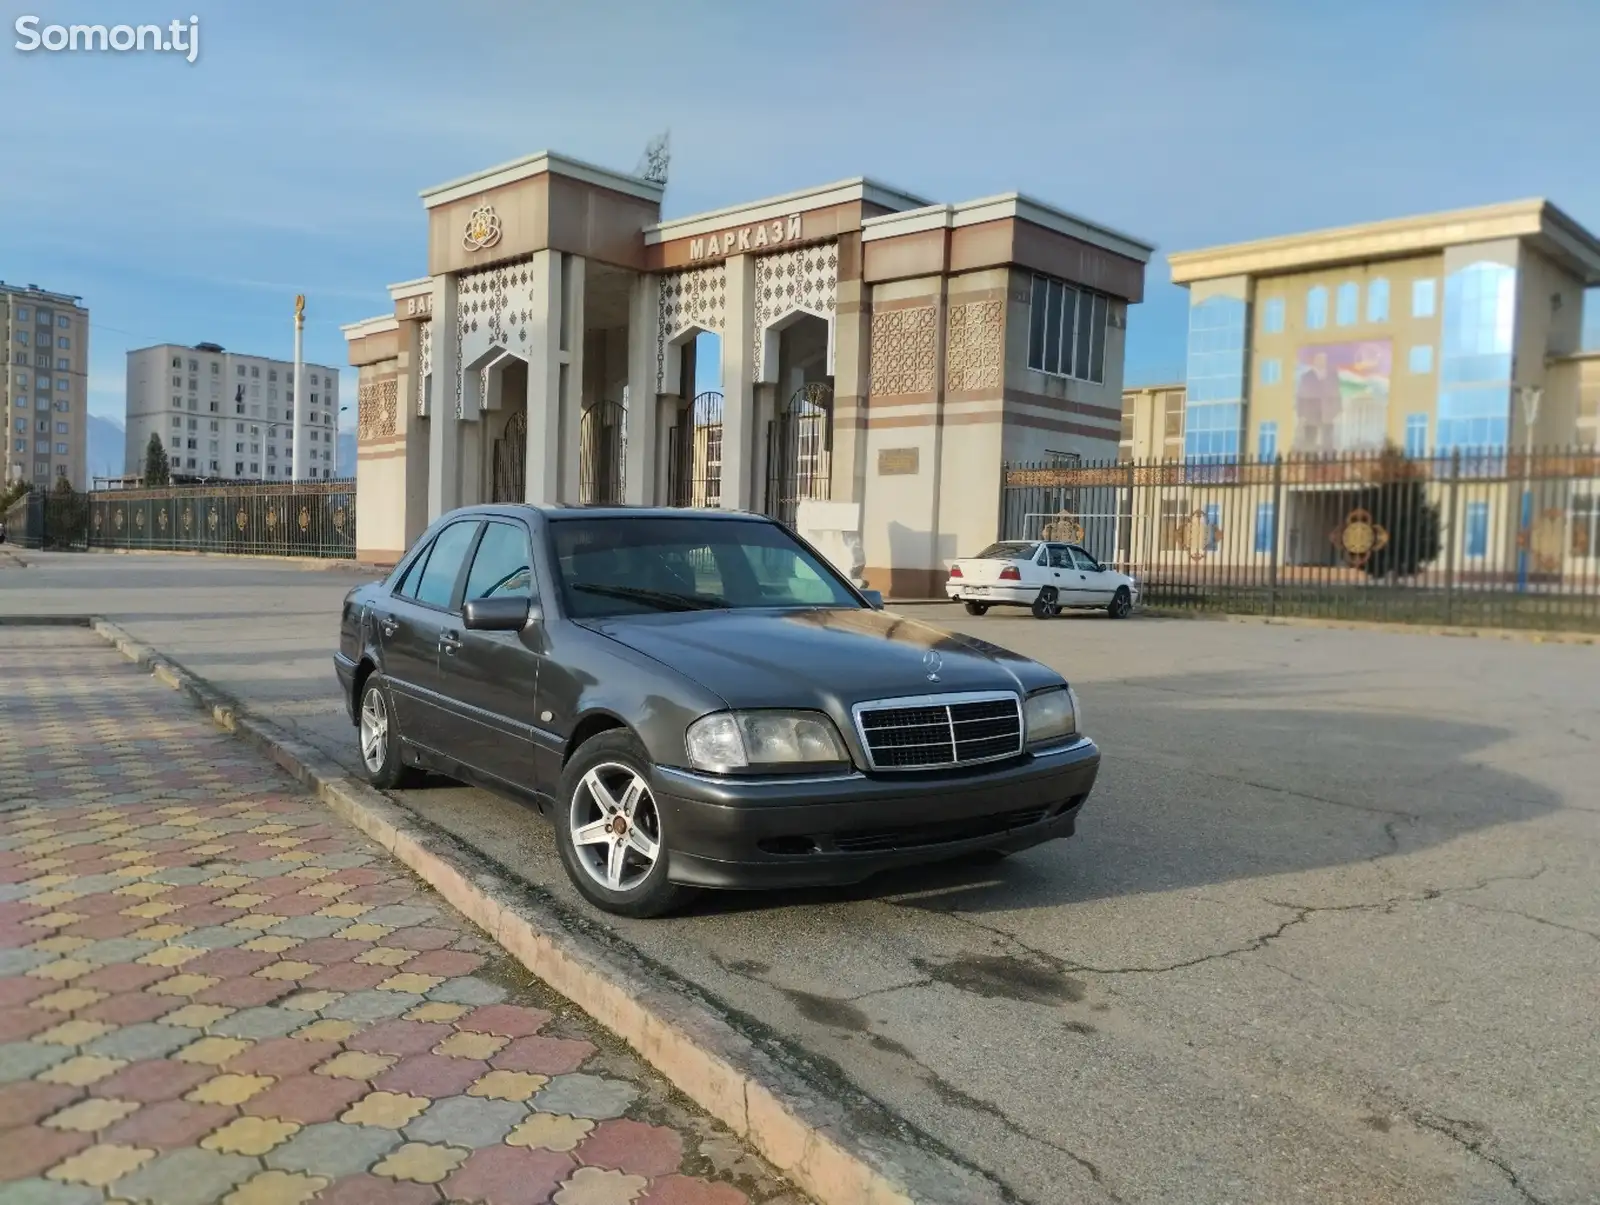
x: 436, y: 584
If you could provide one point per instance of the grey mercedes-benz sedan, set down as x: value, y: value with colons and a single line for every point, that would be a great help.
x: 698, y: 699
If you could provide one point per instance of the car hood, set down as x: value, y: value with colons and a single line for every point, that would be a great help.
x: 820, y: 658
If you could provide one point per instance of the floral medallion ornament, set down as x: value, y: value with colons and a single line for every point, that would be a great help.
x: 1359, y: 537
x: 161, y: 520
x: 98, y: 517
x: 272, y: 519
x: 138, y: 520
x: 483, y: 228
x: 339, y: 520
x: 117, y: 519
x: 1063, y: 528
x: 241, y: 520
x: 1199, y: 535
x: 188, y: 520
x: 1545, y: 540
x: 305, y: 520
x: 212, y: 519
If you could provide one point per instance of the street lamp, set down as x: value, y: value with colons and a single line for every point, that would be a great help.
x: 1529, y: 396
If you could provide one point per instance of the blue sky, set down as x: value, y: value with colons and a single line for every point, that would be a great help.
x: 191, y: 202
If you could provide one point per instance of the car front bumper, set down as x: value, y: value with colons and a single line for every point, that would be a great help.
x: 997, y: 595
x: 847, y: 827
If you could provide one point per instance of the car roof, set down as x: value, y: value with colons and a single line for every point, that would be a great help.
x: 557, y: 511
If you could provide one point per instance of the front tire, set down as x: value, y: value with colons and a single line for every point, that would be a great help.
x: 977, y: 608
x: 1121, y: 604
x: 610, y: 830
x: 379, y: 735
x: 1047, y: 605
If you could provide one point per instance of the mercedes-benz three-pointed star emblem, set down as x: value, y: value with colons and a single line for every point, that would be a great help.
x: 932, y: 663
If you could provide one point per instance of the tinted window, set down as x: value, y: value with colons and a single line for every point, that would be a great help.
x: 1060, y: 558
x: 1009, y: 550
x: 437, y: 580
x: 642, y: 565
x: 501, y: 567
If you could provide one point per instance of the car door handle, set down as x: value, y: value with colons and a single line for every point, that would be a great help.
x: 389, y: 626
x: 449, y: 642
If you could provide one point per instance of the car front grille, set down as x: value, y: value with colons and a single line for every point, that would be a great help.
x: 940, y: 731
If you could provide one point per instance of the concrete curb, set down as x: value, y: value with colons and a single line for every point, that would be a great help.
x: 1520, y: 635
x: 308, y: 563
x: 46, y: 621
x: 841, y: 1151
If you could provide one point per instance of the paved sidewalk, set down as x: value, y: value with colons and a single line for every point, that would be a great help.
x: 213, y: 990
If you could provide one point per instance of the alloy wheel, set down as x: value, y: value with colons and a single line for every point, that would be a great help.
x: 615, y: 826
x: 374, y: 730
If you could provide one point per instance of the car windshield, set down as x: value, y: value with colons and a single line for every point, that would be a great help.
x: 631, y: 566
x: 1008, y: 550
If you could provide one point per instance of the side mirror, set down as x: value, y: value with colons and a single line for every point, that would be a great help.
x: 498, y: 614
x: 874, y: 599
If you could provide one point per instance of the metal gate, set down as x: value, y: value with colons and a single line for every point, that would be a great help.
x: 800, y: 452
x: 603, y: 442
x: 694, y: 462
x: 510, y: 460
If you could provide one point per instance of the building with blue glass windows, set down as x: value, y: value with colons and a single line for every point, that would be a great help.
x: 1449, y: 337
x: 1432, y: 334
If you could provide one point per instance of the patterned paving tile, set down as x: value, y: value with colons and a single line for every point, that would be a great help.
x: 211, y: 991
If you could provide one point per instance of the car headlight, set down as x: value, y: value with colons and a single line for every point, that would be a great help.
x: 755, y: 740
x: 1052, y: 716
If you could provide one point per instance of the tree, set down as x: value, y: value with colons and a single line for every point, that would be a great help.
x: 66, y: 515
x: 1398, y: 502
x: 157, y: 470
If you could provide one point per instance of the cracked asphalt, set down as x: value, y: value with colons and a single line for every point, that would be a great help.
x: 1328, y: 931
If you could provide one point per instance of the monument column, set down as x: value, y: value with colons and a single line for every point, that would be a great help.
x: 555, y: 377
x: 738, y: 385
x: 644, y: 428
x: 574, y: 279
x: 444, y: 428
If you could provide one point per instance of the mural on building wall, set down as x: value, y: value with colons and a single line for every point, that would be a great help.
x: 1341, y: 396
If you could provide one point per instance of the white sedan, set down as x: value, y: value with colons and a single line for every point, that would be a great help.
x: 1043, y: 576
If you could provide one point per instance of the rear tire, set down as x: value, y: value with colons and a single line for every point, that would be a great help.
x: 1121, y: 604
x: 977, y: 608
x: 606, y: 784
x: 379, y: 736
x: 1047, y: 605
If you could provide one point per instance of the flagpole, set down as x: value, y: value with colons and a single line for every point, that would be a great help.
x: 299, y: 455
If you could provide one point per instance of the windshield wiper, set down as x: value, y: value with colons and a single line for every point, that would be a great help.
x: 662, y: 599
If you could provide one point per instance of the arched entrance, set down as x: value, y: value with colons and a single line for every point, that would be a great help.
x: 694, y: 466
x: 800, y: 452
x: 510, y: 460
x: 603, y: 438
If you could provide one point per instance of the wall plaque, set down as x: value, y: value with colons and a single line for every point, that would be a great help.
x: 899, y: 462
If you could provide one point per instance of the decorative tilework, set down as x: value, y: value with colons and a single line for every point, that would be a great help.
x: 697, y: 297
x: 806, y: 278
x: 424, y: 366
x: 902, y: 351
x: 974, y: 348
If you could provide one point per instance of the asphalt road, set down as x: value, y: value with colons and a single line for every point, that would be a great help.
x: 1328, y: 931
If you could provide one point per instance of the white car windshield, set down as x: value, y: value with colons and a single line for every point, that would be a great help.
x: 1008, y: 550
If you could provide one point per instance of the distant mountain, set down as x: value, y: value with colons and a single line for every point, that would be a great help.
x: 346, y: 452
x: 106, y: 450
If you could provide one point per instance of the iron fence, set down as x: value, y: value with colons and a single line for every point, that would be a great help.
x: 55, y: 519
x: 1492, y: 540
x: 313, y: 519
